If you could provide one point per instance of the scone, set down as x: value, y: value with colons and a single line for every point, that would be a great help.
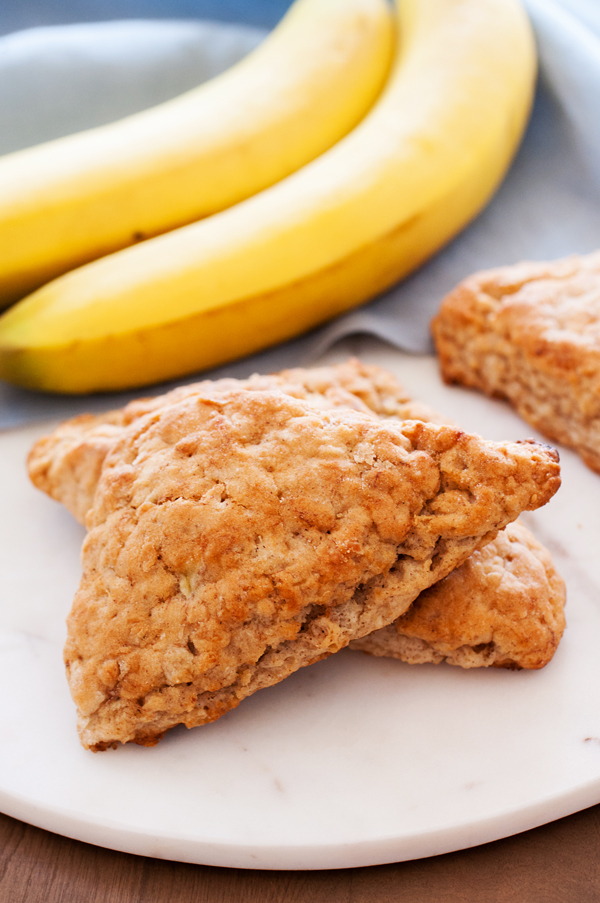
x: 504, y: 607
x: 235, y: 537
x: 67, y: 463
x: 531, y: 333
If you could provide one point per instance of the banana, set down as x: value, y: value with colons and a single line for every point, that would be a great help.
x: 337, y: 232
x: 78, y: 198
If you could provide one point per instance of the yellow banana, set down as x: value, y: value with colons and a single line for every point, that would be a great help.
x: 344, y: 227
x: 73, y: 200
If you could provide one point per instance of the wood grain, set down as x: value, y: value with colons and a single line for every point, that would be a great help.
x: 557, y: 863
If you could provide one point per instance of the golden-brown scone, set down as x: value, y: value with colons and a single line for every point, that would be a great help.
x: 67, y: 463
x: 531, y: 333
x: 236, y: 537
x: 503, y: 607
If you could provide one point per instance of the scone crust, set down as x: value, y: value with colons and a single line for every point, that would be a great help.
x: 237, y: 536
x: 67, y: 464
x: 504, y: 607
x: 531, y: 333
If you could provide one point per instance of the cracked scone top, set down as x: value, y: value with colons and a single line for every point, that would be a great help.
x: 239, y: 536
x: 67, y: 463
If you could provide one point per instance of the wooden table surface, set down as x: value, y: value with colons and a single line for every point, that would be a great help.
x: 557, y: 863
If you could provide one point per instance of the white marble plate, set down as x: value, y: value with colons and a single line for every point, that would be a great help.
x: 352, y: 762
